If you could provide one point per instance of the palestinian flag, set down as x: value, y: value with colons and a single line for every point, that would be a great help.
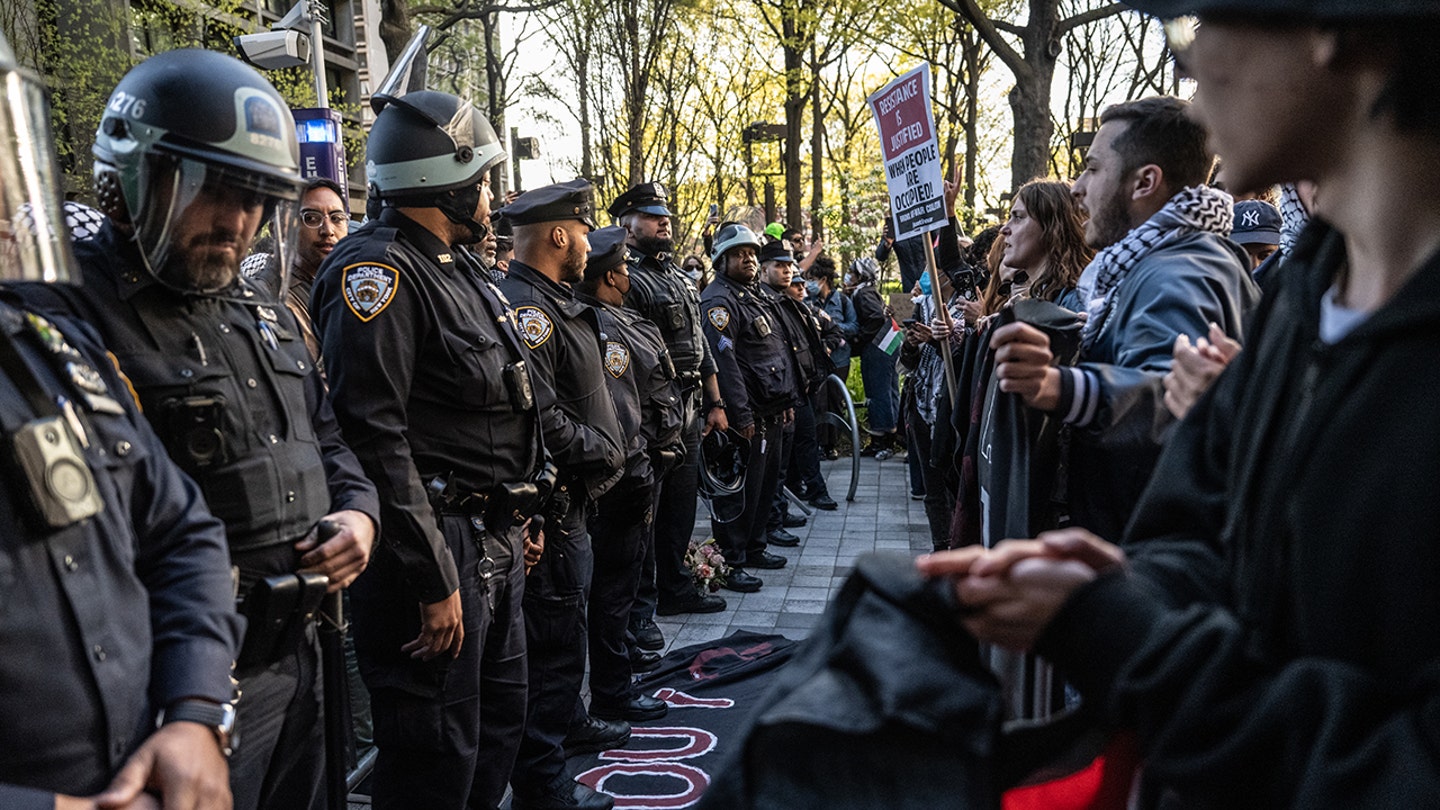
x: 890, y: 340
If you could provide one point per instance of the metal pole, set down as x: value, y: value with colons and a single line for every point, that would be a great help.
x: 515, y: 157
x: 316, y: 12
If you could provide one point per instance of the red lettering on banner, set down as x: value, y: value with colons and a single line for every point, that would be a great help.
x: 675, y: 698
x: 708, y: 658
x: 694, y: 781
x: 698, y: 743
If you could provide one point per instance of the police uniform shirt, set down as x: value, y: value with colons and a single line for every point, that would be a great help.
x: 663, y: 294
x: 416, y: 343
x: 582, y: 431
x: 113, y: 617
x: 230, y: 388
x: 642, y: 382
x: 803, y: 335
x: 752, y: 356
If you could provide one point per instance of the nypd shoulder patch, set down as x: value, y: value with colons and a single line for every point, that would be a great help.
x: 535, y: 325
x: 617, y: 358
x: 369, y: 287
x: 719, y: 317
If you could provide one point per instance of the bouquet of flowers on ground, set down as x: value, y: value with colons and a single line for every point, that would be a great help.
x: 707, y: 565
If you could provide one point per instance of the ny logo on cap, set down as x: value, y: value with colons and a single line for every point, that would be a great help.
x: 1250, y: 219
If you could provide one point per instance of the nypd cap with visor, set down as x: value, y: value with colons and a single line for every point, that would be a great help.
x: 647, y: 198
x: 607, y: 249
x: 574, y: 199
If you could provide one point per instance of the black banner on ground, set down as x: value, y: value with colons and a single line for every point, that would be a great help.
x: 711, y: 688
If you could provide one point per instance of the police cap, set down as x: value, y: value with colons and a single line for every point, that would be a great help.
x: 607, y: 250
x: 574, y: 199
x: 776, y: 252
x: 647, y: 198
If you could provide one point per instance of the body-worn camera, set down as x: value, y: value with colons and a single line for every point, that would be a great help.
x: 60, y: 485
x: 193, y: 427
x: 517, y: 384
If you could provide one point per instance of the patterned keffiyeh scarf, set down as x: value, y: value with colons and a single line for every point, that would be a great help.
x: 1293, y: 217
x: 1196, y: 209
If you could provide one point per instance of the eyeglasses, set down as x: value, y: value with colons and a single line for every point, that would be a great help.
x: 313, y: 218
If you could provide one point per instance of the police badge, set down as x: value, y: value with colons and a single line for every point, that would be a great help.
x: 719, y: 317
x: 535, y: 325
x: 617, y: 358
x: 369, y: 288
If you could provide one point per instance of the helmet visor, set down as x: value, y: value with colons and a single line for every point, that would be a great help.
x: 199, y: 220
x: 34, y: 243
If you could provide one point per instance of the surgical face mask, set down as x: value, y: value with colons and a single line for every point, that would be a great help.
x: 925, y: 283
x: 812, y: 288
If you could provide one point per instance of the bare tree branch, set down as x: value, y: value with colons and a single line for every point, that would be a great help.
x: 1087, y: 17
x: 988, y: 31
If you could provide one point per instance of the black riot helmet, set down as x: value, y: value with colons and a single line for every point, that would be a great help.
x: 429, y: 149
x: 196, y: 153
x: 34, y: 239
x: 724, y: 456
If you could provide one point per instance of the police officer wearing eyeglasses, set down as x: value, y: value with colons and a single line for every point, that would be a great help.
x: 196, y: 151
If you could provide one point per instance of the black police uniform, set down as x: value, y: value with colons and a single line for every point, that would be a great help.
x: 231, y: 390
x: 641, y: 380
x: 809, y: 358
x: 757, y: 381
x: 423, y: 356
x: 660, y: 291
x: 584, y: 435
x: 108, y: 619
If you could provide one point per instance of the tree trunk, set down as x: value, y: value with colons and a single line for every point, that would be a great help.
x: 795, y: 98
x: 972, y: 122
x: 817, y: 142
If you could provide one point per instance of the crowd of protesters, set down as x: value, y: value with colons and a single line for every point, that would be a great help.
x: 1171, y: 439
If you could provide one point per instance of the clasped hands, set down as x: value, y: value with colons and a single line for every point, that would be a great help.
x: 1011, y: 592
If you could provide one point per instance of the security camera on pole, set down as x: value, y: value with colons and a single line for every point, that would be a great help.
x: 294, y: 41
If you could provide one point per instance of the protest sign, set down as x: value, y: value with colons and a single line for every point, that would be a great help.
x: 912, y: 153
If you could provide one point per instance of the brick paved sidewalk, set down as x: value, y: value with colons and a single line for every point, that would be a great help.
x: 882, y: 516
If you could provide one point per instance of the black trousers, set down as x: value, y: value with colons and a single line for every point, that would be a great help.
x: 448, y: 730
x: 279, y: 757
x: 778, y: 505
x: 555, y: 628
x: 675, y: 516
x: 828, y: 401
x: 617, y: 534
x: 739, y: 521
x: 802, y: 473
x: 939, y: 500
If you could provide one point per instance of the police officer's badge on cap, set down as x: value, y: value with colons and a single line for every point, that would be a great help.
x: 574, y: 199
x: 369, y: 287
x: 647, y: 198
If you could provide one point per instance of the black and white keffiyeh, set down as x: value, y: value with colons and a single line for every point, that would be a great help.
x: 1293, y: 217
x: 1196, y: 209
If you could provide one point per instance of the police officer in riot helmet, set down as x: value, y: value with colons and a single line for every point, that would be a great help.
x: 196, y: 152
x: 757, y: 378
x: 431, y: 383
x: 114, y: 576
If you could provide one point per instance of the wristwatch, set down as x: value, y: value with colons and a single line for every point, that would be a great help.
x: 218, y: 717
x: 719, y: 403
